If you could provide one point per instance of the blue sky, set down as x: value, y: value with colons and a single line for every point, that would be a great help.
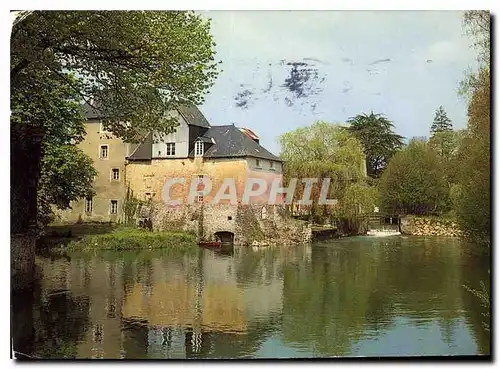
x: 403, y: 64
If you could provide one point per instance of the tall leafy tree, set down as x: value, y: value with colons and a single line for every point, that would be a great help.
x: 67, y: 175
x: 379, y: 141
x: 478, y: 25
x: 137, y: 65
x: 474, y: 175
x: 473, y: 192
x: 441, y: 122
x: 447, y: 145
x: 326, y: 150
x: 414, y: 181
x: 66, y: 172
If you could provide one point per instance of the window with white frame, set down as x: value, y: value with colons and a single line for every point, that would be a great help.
x: 103, y: 152
x: 198, y: 148
x: 115, y: 174
x: 170, y: 148
x: 113, y: 207
x: 200, y: 179
x: 88, y: 205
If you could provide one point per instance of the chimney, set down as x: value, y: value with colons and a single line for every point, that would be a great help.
x: 250, y: 134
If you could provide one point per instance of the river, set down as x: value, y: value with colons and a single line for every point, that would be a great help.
x: 360, y: 296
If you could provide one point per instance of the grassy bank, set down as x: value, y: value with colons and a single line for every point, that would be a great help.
x: 124, y: 238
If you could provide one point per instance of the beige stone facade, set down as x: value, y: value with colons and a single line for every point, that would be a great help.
x: 146, y: 179
x: 197, y: 154
x: 108, y: 154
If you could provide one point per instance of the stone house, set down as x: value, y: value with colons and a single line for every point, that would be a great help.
x: 196, y: 151
x: 108, y: 154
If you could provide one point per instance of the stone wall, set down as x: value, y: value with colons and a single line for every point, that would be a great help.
x: 149, y: 177
x: 251, y: 224
x: 107, y: 188
x: 429, y: 226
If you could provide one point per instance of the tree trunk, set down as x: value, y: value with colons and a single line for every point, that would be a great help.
x: 25, y: 158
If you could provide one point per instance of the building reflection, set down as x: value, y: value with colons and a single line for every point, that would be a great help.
x: 145, y: 305
x: 327, y: 300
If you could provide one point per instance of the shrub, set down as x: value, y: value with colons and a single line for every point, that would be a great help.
x: 125, y: 238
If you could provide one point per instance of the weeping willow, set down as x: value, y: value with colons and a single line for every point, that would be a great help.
x: 327, y: 150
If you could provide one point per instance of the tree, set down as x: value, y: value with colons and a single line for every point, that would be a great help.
x: 147, y: 63
x: 326, y: 150
x: 472, y: 193
x: 375, y: 132
x: 133, y: 66
x: 441, y: 122
x: 446, y: 145
x: 67, y: 175
x: 414, y: 182
x: 66, y: 172
x: 473, y: 203
x: 477, y: 25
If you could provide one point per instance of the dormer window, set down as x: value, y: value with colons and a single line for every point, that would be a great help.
x: 198, y: 148
x: 170, y: 148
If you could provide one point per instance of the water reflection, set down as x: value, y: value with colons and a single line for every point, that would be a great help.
x: 349, y: 297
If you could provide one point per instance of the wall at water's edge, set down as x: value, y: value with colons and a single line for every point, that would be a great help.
x: 256, y: 225
x: 429, y: 226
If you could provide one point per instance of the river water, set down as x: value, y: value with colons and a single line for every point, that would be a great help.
x: 396, y: 296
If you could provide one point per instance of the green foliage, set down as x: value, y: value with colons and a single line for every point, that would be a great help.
x: 67, y: 175
x: 375, y: 132
x: 446, y: 145
x: 126, y: 238
x: 441, y: 122
x: 326, y: 150
x: 130, y: 207
x: 483, y: 294
x: 414, y: 181
x: 478, y: 26
x: 473, y: 206
x: 148, y: 62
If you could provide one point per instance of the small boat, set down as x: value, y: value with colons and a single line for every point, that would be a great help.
x: 383, y: 233
x: 210, y: 244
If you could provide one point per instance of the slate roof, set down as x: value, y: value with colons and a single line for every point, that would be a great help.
x: 190, y: 113
x: 144, y: 151
x: 231, y: 142
x: 89, y: 112
x: 193, y: 116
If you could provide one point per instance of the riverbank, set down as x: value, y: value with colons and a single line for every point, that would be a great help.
x: 430, y: 226
x: 127, y: 238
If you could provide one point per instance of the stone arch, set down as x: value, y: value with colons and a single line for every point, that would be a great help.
x: 226, y: 237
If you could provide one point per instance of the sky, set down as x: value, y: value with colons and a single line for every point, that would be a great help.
x: 286, y: 69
